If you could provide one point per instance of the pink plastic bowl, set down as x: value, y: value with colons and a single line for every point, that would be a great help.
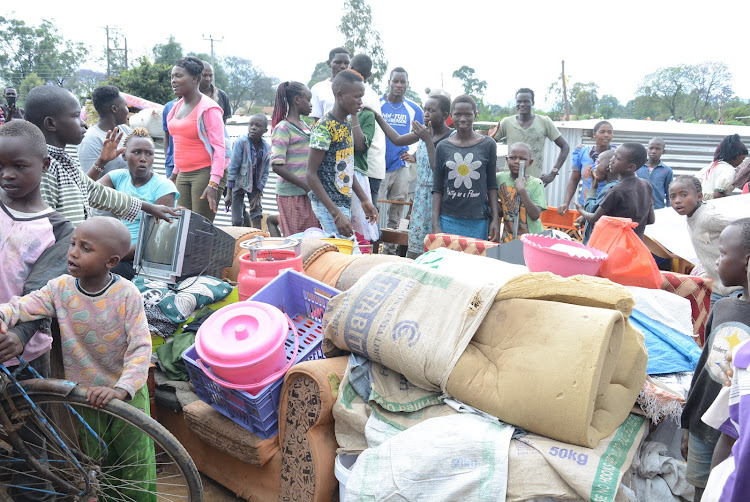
x: 540, y: 258
x: 243, y: 343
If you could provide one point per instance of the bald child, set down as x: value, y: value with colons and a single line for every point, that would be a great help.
x: 105, y: 339
x: 522, y: 199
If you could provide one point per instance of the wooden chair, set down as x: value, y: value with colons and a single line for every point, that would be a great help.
x: 392, y: 235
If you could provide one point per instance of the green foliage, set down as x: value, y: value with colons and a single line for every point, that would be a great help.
x: 710, y: 86
x: 472, y: 85
x: 362, y: 37
x: 555, y: 94
x: 319, y: 74
x: 32, y: 80
x: 410, y: 94
x: 643, y: 107
x: 583, y: 98
x: 168, y: 52
x: 26, y: 49
x: 247, y: 84
x: 668, y: 85
x: 609, y: 106
x: 493, y: 113
x: 146, y: 80
x: 693, y: 91
x: 221, y: 80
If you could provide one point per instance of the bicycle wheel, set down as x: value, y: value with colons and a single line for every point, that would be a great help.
x: 122, y: 453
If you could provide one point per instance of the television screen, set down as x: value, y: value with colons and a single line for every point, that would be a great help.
x: 187, y: 247
x: 161, y: 239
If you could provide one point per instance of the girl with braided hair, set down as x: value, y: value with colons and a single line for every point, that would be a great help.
x: 290, y: 144
x: 705, y: 224
x: 718, y: 179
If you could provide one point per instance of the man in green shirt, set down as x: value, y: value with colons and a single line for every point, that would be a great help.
x: 526, y: 127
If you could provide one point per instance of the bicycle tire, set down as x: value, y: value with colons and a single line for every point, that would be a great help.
x: 177, y: 478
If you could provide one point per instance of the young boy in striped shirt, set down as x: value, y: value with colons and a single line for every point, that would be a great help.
x: 65, y: 187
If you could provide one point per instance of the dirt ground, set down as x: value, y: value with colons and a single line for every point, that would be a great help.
x: 214, y: 492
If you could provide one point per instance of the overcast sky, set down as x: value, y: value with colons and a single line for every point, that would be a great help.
x: 509, y: 44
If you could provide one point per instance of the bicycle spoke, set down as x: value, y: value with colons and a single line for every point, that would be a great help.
x: 168, y: 475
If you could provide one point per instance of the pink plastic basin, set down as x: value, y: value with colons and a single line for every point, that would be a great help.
x: 243, y: 344
x: 540, y: 258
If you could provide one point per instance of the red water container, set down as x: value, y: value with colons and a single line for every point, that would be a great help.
x: 266, y: 259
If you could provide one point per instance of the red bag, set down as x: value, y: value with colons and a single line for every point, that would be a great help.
x: 630, y: 263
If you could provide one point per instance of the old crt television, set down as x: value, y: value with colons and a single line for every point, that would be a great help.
x: 189, y: 246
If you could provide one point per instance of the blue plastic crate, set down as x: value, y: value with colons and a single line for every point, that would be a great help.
x: 304, y: 300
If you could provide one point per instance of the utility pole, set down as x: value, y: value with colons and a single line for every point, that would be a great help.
x: 212, y: 39
x: 110, y: 50
x: 565, y: 92
x: 106, y: 28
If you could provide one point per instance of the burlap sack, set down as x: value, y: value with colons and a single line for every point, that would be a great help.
x: 452, y: 458
x: 394, y: 393
x: 389, y: 316
x: 360, y: 265
x: 568, y: 472
x: 350, y: 414
x: 395, y: 402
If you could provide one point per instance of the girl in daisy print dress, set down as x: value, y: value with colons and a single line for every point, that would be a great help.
x: 464, y: 191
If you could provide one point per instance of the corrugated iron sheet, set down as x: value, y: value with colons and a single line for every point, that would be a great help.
x: 689, y: 148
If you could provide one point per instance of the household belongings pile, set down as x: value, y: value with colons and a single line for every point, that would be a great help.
x: 556, y: 357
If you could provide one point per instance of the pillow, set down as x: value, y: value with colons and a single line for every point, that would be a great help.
x: 179, y: 302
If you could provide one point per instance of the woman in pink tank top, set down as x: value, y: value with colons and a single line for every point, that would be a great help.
x: 196, y: 126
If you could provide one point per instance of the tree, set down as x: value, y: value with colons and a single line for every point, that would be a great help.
x: 608, y: 106
x: 472, y: 85
x: 410, y: 94
x: 362, y: 37
x: 39, y: 49
x: 644, y: 106
x: 32, y: 80
x: 83, y: 82
x: 148, y: 81
x: 319, y: 74
x: 669, y: 85
x: 583, y: 98
x: 167, y: 53
x: 711, y: 84
x: 555, y: 96
x: 220, y: 75
x: 248, y: 83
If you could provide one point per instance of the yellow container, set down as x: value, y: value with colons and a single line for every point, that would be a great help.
x: 345, y: 246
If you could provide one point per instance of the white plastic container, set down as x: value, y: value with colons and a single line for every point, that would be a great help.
x: 341, y: 469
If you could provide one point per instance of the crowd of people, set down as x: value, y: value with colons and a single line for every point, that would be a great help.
x: 65, y: 256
